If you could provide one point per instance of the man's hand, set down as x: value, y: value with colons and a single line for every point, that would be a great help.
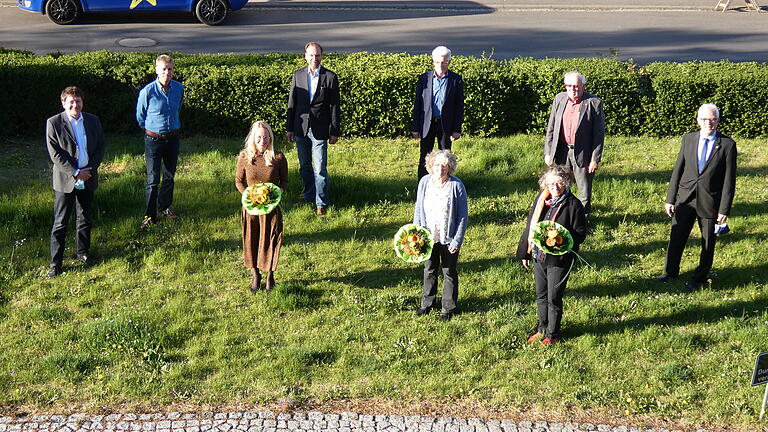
x: 416, y: 135
x: 548, y: 160
x: 84, y: 174
x: 526, y: 263
x: 333, y: 139
x: 721, y: 218
x: 669, y: 209
x: 452, y: 249
x: 290, y: 136
x: 455, y: 136
x: 592, y: 167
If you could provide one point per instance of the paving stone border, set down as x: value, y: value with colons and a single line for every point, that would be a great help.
x: 267, y: 421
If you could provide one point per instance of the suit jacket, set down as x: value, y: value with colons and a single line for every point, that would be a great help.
x: 712, y: 191
x: 571, y: 216
x: 323, y: 114
x: 63, y: 151
x: 590, y: 134
x: 452, y: 114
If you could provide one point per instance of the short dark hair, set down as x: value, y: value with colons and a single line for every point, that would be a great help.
x: 314, y: 44
x: 71, y: 91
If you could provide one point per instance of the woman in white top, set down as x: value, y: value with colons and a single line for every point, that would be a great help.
x: 441, y: 207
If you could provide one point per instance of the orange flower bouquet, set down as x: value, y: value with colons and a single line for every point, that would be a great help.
x: 261, y: 198
x: 413, y: 243
x: 552, y: 238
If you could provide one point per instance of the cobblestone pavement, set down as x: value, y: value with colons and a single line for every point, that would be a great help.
x: 283, y: 422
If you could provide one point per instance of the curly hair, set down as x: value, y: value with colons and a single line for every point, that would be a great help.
x: 446, y: 154
x: 562, y: 172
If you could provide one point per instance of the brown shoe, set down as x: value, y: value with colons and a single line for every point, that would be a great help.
x: 550, y: 341
x: 320, y: 211
x: 535, y: 337
x: 168, y: 213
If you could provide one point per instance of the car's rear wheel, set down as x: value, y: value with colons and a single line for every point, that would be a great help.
x: 212, y: 12
x: 63, y: 11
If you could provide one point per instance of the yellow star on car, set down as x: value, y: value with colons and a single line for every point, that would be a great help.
x: 135, y: 3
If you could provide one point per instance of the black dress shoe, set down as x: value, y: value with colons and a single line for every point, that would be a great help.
x: 53, y: 272
x: 422, y: 311
x: 86, y: 259
x: 446, y: 316
x: 664, y: 278
x: 693, y: 285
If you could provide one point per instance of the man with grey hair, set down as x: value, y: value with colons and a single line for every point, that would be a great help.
x: 575, y: 134
x: 701, y: 189
x: 438, y: 108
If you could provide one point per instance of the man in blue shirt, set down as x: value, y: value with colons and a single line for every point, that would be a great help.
x: 157, y: 111
x: 438, y: 109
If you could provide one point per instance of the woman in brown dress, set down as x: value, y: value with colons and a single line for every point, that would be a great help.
x: 262, y: 235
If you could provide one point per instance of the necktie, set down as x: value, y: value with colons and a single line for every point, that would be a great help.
x: 703, y: 155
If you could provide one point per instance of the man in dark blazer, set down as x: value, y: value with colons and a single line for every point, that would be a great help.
x: 438, y: 109
x: 75, y: 144
x: 701, y: 189
x: 313, y: 120
x: 575, y: 134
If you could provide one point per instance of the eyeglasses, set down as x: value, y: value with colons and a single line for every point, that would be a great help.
x: 574, y: 86
x: 709, y: 120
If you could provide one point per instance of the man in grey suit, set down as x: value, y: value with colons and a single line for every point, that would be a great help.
x: 75, y: 143
x: 313, y: 120
x: 701, y: 190
x: 575, y: 134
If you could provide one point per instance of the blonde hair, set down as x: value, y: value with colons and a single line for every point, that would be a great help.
x: 449, y: 157
x: 249, y: 149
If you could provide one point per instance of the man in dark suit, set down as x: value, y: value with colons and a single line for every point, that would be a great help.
x: 75, y: 144
x: 438, y: 109
x: 701, y: 189
x: 575, y: 134
x: 313, y: 120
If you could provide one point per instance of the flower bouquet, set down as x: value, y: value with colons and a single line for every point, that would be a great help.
x: 261, y: 198
x: 552, y: 238
x: 413, y: 243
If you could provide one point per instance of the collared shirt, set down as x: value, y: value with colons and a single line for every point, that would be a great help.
x: 710, y: 139
x: 570, y: 121
x: 312, y: 80
x: 439, y: 85
x: 82, y: 141
x: 158, y: 111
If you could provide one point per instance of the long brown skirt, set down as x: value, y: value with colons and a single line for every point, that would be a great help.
x: 262, y: 238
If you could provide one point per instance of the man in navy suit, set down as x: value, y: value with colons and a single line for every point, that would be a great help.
x: 701, y: 190
x: 438, y: 109
x: 313, y: 120
x: 75, y: 143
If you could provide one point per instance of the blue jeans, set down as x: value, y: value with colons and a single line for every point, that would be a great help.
x: 313, y: 168
x: 162, y: 155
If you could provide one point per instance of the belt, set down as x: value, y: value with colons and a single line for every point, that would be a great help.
x: 435, y: 118
x: 570, y: 147
x: 164, y: 136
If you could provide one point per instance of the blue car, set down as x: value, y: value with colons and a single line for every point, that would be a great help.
x: 211, y: 12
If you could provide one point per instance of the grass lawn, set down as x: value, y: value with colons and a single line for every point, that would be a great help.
x: 166, y: 318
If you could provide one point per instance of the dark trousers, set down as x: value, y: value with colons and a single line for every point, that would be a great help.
x: 427, y: 143
x: 682, y: 224
x: 565, y: 156
x: 550, y: 287
x: 441, y: 255
x: 162, y: 155
x: 63, y: 203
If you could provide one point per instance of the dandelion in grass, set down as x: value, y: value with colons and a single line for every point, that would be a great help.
x: 261, y: 198
x: 413, y: 243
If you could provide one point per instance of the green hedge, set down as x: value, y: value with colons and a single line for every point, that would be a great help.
x: 226, y: 92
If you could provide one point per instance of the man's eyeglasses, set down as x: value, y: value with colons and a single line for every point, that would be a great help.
x: 575, y: 86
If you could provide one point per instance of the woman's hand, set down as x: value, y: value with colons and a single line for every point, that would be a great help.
x: 526, y: 263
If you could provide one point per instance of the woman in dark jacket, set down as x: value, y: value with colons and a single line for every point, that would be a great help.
x: 555, y: 202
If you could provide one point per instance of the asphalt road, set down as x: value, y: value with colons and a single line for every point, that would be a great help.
x: 645, y: 30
